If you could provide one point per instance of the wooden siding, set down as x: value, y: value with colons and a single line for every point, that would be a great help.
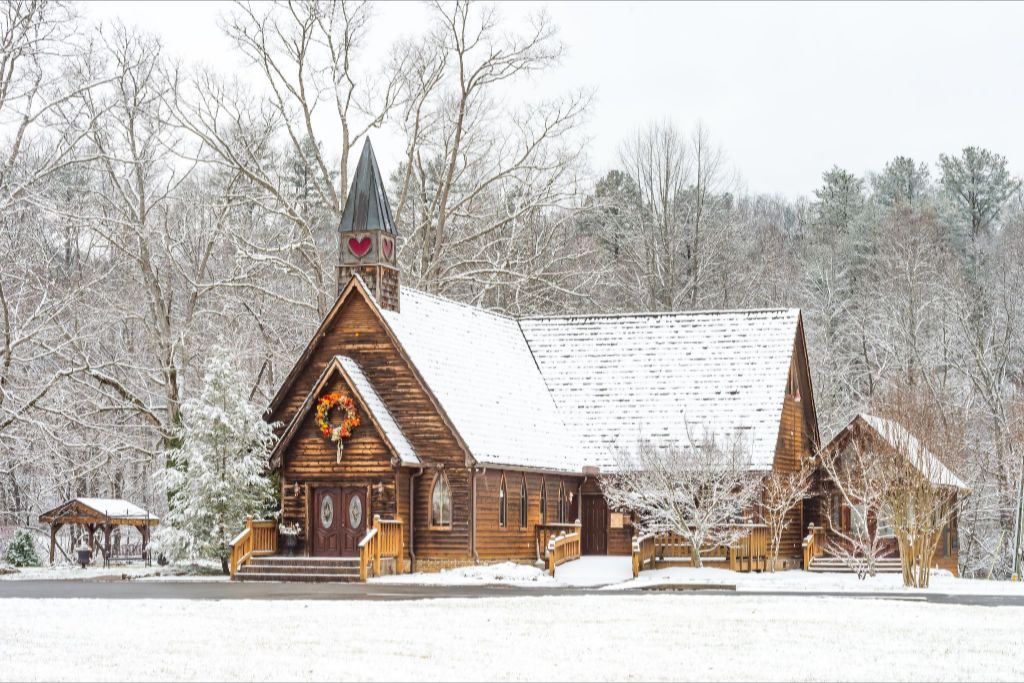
x: 514, y: 541
x: 358, y: 332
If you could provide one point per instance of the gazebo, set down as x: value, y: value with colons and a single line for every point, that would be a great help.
x: 99, y: 514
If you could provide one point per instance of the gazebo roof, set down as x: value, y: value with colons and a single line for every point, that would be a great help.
x: 98, y: 511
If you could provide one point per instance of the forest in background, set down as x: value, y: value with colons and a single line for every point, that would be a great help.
x: 153, y: 210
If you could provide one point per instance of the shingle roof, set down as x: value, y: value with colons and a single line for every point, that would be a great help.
x: 619, y: 378
x: 479, y: 367
x: 562, y: 393
x: 115, y: 508
x: 901, y: 440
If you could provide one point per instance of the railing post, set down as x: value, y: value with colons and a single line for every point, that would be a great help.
x: 377, y: 540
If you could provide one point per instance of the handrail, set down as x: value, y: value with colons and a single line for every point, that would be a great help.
x: 542, y: 533
x: 643, y: 552
x: 564, y: 547
x: 748, y: 553
x: 813, y: 545
x: 382, y: 540
x: 258, y: 538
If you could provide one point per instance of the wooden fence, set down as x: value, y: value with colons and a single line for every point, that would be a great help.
x: 258, y: 538
x: 748, y: 553
x: 383, y: 540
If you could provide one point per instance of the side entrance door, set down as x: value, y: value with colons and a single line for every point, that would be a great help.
x: 595, y: 525
x: 354, y: 524
x: 327, y: 522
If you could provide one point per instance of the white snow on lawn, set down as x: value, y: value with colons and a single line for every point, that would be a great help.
x: 66, y: 572
x: 796, y: 581
x: 616, y: 573
x: 612, y: 637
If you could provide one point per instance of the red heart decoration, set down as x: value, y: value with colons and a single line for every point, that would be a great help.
x: 387, y: 246
x: 360, y: 247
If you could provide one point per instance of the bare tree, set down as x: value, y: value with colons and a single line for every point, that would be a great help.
x: 860, y: 479
x: 702, y: 490
x: 782, y: 493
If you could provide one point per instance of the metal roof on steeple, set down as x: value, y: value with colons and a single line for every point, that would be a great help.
x: 367, y: 207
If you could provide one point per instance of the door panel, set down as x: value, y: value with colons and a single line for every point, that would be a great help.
x: 327, y: 522
x: 595, y: 525
x: 354, y: 522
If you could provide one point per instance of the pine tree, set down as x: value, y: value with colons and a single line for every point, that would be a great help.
x: 21, y: 551
x: 218, y: 476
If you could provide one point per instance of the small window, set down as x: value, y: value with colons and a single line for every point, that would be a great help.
x: 837, y: 512
x: 441, y: 503
x: 523, y: 508
x: 543, y: 502
x: 502, y: 504
x: 562, y: 503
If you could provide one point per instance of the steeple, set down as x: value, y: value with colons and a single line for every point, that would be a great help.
x: 367, y: 232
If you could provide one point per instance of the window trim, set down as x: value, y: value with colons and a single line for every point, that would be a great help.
x: 441, y: 478
x: 524, y: 504
x: 562, y: 507
x: 502, y: 504
x: 543, y: 501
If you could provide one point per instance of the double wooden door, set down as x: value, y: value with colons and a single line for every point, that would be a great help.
x: 595, y: 525
x: 339, y: 520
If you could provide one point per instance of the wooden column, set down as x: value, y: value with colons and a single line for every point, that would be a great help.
x: 54, y: 528
x: 107, y: 528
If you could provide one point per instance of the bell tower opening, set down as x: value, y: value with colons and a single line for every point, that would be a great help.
x: 368, y: 235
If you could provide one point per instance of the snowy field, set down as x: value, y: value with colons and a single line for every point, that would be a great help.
x: 615, y: 573
x: 647, y: 637
x: 66, y: 572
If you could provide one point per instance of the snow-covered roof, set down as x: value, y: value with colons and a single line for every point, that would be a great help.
x: 480, y: 368
x: 115, y: 508
x: 380, y: 413
x: 563, y: 393
x: 616, y: 379
x: 897, y: 436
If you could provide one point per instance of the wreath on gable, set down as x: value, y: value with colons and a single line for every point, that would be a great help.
x: 336, y: 433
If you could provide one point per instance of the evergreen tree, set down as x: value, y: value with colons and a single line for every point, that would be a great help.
x: 219, y: 477
x: 903, y: 182
x: 21, y: 551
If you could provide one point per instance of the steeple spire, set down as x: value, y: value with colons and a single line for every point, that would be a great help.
x: 367, y: 232
x: 367, y: 206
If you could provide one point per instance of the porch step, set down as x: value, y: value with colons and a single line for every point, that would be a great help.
x: 303, y: 569
x: 837, y: 565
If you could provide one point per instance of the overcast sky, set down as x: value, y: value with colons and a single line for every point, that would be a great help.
x: 786, y: 89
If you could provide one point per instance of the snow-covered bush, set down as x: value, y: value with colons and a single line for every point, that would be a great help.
x: 217, y: 476
x: 21, y: 551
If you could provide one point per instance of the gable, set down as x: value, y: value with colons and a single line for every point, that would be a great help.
x: 345, y: 374
x: 354, y: 328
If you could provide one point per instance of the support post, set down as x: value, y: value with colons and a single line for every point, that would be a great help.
x: 53, y: 539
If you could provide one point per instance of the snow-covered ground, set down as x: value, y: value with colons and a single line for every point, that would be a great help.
x: 654, y: 636
x: 66, y: 572
x: 615, y: 573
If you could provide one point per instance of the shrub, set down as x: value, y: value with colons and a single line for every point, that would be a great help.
x: 21, y: 551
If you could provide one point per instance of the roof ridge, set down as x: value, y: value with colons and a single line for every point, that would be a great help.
x: 661, y: 314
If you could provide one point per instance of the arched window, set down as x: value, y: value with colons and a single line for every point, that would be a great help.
x: 441, y: 502
x: 561, y: 503
x: 502, y: 504
x: 543, y: 502
x: 523, y: 509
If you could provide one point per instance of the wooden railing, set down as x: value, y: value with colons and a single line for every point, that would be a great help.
x: 814, y: 544
x: 643, y: 552
x: 258, y: 538
x: 383, y: 540
x: 564, y: 547
x: 542, y: 533
x: 749, y: 553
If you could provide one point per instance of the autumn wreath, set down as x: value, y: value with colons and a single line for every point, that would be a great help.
x: 336, y: 433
